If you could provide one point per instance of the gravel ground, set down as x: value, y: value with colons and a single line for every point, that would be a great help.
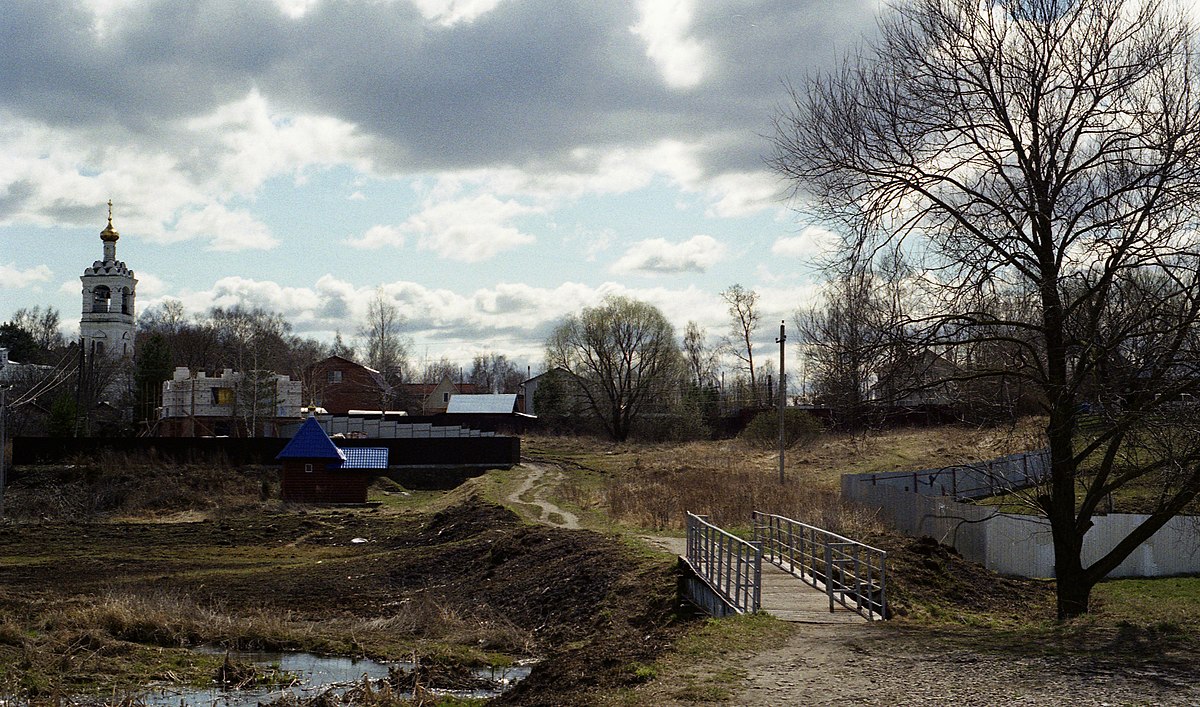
x: 851, y: 665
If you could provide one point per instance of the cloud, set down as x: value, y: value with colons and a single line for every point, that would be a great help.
x: 451, y: 12
x: 812, y: 242
x: 379, y: 237
x: 12, y: 277
x: 226, y: 230
x: 658, y: 256
x: 469, y: 229
x: 663, y: 26
x: 149, y: 285
x: 512, y: 317
x: 434, y: 85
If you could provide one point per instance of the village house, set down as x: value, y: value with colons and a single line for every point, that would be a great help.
x: 339, y: 385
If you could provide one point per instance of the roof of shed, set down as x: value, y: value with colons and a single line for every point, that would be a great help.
x: 365, y: 457
x: 503, y: 403
x: 311, y: 442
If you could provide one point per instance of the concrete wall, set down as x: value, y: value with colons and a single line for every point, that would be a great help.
x: 1021, y: 544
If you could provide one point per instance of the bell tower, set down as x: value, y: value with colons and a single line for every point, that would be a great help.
x: 107, y: 325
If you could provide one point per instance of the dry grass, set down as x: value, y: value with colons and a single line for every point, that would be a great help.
x: 650, y: 486
x: 117, y: 485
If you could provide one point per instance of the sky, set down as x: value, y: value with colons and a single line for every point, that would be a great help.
x: 490, y: 166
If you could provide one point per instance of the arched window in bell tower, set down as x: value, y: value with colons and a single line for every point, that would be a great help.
x: 101, y: 296
x: 126, y: 301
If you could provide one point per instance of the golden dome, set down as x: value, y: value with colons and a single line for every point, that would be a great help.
x: 109, y: 234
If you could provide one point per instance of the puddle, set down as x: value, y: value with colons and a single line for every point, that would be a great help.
x: 310, y: 675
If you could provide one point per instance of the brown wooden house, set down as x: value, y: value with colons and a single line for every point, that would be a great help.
x: 315, y: 470
x: 340, y: 385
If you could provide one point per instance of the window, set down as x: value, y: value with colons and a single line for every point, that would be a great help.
x: 334, y: 377
x: 445, y: 397
x: 222, y: 396
x: 308, y: 467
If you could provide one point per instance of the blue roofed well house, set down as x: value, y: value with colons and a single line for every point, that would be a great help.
x: 315, y: 470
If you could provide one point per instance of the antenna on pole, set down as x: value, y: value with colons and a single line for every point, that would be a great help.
x: 782, y: 397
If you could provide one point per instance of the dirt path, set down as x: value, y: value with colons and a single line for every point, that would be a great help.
x: 531, y: 493
x: 874, y: 665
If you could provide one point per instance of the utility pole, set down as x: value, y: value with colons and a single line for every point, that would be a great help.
x: 782, y: 398
x: 3, y: 447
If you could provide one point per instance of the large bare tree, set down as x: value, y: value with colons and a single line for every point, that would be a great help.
x: 1047, y: 153
x: 621, y: 355
x: 845, y: 344
x: 743, y: 321
x: 387, y: 349
x: 701, y: 359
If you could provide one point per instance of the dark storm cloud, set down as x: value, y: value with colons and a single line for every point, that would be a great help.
x: 523, y: 83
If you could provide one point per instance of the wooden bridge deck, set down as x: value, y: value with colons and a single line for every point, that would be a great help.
x: 784, y: 596
x: 787, y: 598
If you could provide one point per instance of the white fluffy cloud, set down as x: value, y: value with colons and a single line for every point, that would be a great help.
x: 226, y: 230
x: 469, y: 229
x: 12, y: 277
x: 659, y: 256
x: 812, y: 242
x: 663, y: 26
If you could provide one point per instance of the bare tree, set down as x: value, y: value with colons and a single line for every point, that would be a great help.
x: 744, y: 316
x: 851, y: 342
x: 43, y: 325
x: 621, y: 355
x: 494, y: 373
x: 339, y: 347
x: 387, y: 349
x: 1046, y: 152
x: 701, y: 359
x: 440, y: 370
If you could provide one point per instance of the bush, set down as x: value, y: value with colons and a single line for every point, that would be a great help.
x: 799, y: 429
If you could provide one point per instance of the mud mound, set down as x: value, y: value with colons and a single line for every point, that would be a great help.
x: 465, y: 520
x: 924, y: 571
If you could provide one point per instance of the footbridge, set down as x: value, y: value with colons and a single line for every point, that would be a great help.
x: 791, y: 570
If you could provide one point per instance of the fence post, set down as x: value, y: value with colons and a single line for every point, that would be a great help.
x: 829, y: 574
x: 757, y: 576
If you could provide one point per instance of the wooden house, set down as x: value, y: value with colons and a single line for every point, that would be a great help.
x: 315, y: 470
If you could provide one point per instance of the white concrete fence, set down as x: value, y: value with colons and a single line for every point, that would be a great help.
x: 387, y: 429
x: 1012, y: 543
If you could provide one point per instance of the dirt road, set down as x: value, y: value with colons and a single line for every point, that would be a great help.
x: 875, y: 665
x: 531, y: 492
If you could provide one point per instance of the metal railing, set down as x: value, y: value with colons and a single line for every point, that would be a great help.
x: 850, y: 573
x: 732, y: 567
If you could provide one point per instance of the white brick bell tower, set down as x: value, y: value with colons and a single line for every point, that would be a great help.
x: 107, y: 325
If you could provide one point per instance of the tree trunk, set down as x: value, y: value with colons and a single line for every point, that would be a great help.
x: 1072, y: 592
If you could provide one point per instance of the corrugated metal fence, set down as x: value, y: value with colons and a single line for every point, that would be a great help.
x: 1012, y: 543
x: 974, y: 480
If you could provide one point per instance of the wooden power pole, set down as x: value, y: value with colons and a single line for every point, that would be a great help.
x: 782, y: 398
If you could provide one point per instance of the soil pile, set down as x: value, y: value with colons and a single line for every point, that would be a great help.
x: 925, y: 573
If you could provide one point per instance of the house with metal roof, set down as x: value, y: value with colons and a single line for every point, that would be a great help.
x: 490, y: 404
x: 315, y: 470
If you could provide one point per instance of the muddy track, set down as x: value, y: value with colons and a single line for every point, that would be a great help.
x: 532, y: 491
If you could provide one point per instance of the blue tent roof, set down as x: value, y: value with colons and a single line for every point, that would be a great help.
x: 365, y: 458
x: 311, y: 442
